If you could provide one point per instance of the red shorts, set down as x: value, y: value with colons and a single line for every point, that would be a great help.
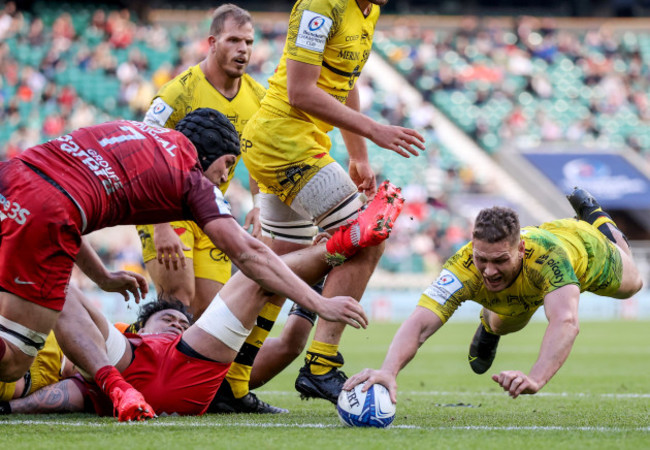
x: 171, y: 381
x: 40, y: 235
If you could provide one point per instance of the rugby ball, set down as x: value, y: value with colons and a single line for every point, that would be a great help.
x: 366, y: 409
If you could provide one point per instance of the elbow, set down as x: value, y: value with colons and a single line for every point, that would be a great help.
x: 572, y: 326
x: 297, y: 96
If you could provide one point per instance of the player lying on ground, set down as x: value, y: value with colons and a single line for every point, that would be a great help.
x: 117, y: 173
x: 512, y: 272
x: 179, y: 369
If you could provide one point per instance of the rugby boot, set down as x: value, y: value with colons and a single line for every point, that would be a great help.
x: 130, y: 405
x: 371, y: 227
x: 226, y: 403
x: 588, y: 209
x: 482, y: 350
x: 327, y: 386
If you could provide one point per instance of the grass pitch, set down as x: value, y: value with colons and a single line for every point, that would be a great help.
x: 599, y: 399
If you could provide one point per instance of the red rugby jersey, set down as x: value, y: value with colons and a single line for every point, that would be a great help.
x: 127, y: 172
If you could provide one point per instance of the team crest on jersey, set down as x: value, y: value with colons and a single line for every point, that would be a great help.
x: 444, y: 287
x: 313, y: 31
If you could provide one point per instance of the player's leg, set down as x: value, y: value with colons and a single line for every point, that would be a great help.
x: 24, y: 326
x: 277, y: 353
x: 174, y: 282
x: 61, y: 397
x: 483, y: 348
x: 101, y: 351
x: 234, y: 393
x: 321, y: 377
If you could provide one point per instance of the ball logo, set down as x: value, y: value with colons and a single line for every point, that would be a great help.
x: 316, y: 23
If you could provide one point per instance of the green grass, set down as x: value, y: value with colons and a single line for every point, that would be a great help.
x: 599, y: 399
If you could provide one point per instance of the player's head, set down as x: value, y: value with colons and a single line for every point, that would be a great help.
x: 212, y: 134
x: 231, y: 40
x: 378, y: 2
x: 497, y: 247
x: 162, y: 316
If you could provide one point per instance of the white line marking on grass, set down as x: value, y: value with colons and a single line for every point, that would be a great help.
x: 206, y: 424
x: 458, y: 393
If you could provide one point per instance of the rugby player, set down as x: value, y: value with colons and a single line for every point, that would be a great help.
x: 302, y: 188
x: 178, y: 368
x: 219, y: 81
x: 511, y: 272
x: 117, y: 173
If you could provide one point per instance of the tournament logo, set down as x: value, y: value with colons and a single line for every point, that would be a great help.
x: 316, y: 23
x: 159, y: 108
x: 445, y: 280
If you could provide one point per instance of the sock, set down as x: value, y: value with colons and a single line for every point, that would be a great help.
x: 322, y: 357
x: 344, y: 241
x: 240, y: 370
x: 108, y: 378
x: 5, y: 408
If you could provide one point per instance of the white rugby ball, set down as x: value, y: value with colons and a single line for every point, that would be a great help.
x: 366, y: 409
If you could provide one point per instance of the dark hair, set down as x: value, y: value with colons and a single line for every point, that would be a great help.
x: 212, y: 134
x: 496, y: 224
x: 149, y: 309
x: 222, y: 13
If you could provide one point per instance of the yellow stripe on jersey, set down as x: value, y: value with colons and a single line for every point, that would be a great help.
x: 331, y: 33
x: 191, y: 90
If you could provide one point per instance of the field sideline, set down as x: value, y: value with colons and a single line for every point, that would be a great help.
x: 599, y: 399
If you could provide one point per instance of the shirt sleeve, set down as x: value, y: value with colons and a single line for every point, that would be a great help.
x: 310, y: 26
x: 453, y: 286
x: 204, y: 201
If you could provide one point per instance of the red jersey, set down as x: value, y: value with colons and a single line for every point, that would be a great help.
x: 171, y: 381
x: 127, y: 172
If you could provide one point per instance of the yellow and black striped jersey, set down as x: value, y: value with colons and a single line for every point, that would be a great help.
x: 557, y: 254
x: 191, y: 90
x: 333, y: 34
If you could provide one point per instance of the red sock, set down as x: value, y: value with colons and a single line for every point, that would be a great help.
x: 108, y: 378
x: 3, y: 348
x: 341, y: 242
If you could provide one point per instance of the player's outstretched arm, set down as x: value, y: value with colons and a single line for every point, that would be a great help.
x: 561, y: 308
x: 62, y: 397
x: 121, y: 281
x: 421, y: 324
x: 261, y: 265
x: 304, y: 93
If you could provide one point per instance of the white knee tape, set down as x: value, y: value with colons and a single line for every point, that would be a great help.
x: 115, y: 344
x: 27, y: 340
x: 298, y: 231
x: 218, y: 321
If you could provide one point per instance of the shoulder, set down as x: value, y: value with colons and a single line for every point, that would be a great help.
x: 253, y: 87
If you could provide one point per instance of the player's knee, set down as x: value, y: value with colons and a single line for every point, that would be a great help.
x: 14, y: 365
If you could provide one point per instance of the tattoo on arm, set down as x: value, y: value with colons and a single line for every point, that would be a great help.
x: 63, y: 396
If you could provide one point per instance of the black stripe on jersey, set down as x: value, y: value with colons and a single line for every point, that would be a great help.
x: 343, y: 73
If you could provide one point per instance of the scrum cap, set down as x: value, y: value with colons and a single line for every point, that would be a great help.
x: 212, y: 134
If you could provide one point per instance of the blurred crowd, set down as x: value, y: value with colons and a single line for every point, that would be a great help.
x: 524, y: 81
x: 504, y: 86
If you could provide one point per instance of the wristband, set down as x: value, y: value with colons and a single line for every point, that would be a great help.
x: 256, y: 200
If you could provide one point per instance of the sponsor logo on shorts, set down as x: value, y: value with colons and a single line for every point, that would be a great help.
x: 12, y: 210
x: 313, y: 31
x: 19, y: 281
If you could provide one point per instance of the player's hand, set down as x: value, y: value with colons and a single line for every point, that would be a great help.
x: 169, y: 247
x: 253, y: 218
x: 398, y: 139
x: 124, y: 282
x: 342, y: 309
x: 370, y: 377
x: 515, y: 383
x: 363, y: 176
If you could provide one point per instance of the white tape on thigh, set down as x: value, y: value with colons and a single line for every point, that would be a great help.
x: 218, y: 321
x: 115, y: 344
x: 330, y: 198
x: 299, y: 231
x: 27, y: 340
